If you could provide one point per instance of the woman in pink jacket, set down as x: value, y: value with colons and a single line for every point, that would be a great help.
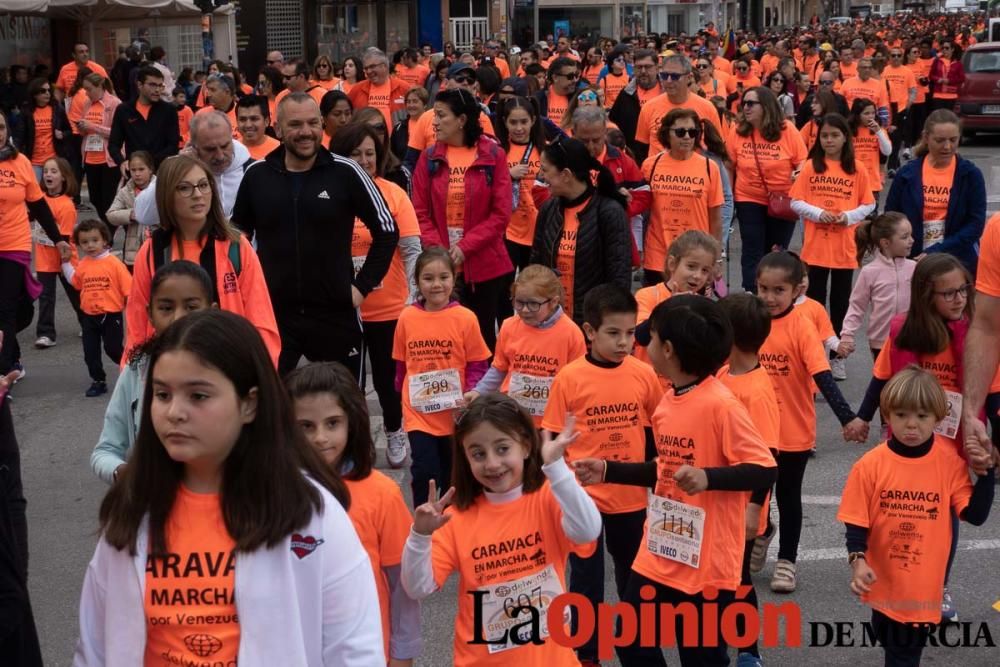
x: 94, y: 126
x: 462, y: 195
x: 883, y: 284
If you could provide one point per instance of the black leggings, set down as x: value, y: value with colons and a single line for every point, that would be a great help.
x: 760, y: 234
x: 102, y: 185
x: 902, y: 642
x: 482, y: 299
x: 520, y: 257
x: 788, y: 494
x: 751, y: 597
x: 839, y: 291
x: 378, y: 340
x: 14, y: 309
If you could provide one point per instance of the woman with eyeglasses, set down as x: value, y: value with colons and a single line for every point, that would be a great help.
x: 193, y: 227
x: 941, y: 193
x: 946, y: 75
x: 381, y: 309
x: 393, y: 170
x: 616, y: 78
x: 353, y: 72
x: 583, y: 230
x: 687, y: 190
x: 43, y: 129
x: 766, y: 151
x: 777, y: 84
x: 323, y: 73
x: 462, y: 195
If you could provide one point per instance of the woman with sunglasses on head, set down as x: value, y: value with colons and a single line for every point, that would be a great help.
x: 946, y: 75
x: 323, y: 73
x: 584, y: 97
x: 462, y: 195
x: 582, y: 231
x: 766, y: 151
x: 687, y: 190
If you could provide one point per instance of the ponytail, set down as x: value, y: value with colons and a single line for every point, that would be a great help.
x: 870, y: 233
x: 573, y: 155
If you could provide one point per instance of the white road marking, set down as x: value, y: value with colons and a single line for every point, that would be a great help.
x: 840, y: 553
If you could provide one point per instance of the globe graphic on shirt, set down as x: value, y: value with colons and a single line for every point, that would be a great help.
x: 203, y: 645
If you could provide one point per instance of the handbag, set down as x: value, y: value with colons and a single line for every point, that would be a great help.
x: 779, y: 204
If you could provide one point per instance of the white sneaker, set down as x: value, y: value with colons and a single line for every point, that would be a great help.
x: 838, y: 367
x: 397, y: 448
x: 44, y: 341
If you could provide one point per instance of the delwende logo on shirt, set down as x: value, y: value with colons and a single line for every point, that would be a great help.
x: 773, y: 619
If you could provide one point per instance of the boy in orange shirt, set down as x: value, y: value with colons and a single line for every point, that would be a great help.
x: 613, y: 396
x: 897, y: 504
x: 710, y: 456
x: 104, y: 283
x: 750, y: 384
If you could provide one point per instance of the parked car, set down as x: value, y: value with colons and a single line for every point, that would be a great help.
x: 978, y: 101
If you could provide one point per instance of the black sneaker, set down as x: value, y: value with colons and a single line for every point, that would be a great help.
x: 97, y: 388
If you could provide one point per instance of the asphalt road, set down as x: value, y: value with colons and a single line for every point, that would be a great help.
x: 57, y: 428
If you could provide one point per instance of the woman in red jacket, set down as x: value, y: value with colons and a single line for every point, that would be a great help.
x: 462, y: 196
x: 946, y: 75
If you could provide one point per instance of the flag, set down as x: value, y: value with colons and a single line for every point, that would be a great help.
x: 729, y: 44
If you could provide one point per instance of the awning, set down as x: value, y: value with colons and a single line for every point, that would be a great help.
x: 97, y: 9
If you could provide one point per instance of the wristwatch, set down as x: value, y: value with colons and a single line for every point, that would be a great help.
x: 855, y: 555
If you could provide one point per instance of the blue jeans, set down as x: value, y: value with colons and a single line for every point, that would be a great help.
x: 759, y: 233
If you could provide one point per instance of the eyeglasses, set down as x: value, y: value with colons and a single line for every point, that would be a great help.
x: 378, y: 127
x: 670, y: 76
x: 777, y: 79
x: 369, y: 68
x: 572, y: 76
x: 464, y: 80
x: 681, y: 132
x: 952, y: 295
x: 825, y: 82
x: 528, y: 306
x: 749, y: 104
x: 186, y: 190
x: 323, y: 65
x: 895, y: 55
x: 702, y: 66
x: 587, y: 96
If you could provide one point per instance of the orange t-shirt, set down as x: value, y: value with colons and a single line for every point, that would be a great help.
x: 557, y: 106
x: 94, y: 145
x: 612, y: 407
x: 921, y: 70
x: 706, y: 427
x: 649, y: 298
x: 792, y: 354
x: 493, y: 544
x: 683, y: 191
x: 184, y: 116
x: 816, y: 313
x: 69, y: 72
x: 382, y: 521
x: 522, y: 220
x: 566, y: 253
x: 652, y: 113
x: 769, y: 63
x: 380, y: 97
x: 190, y: 596
x: 422, y: 132
x: 17, y: 186
x: 47, y: 259
x: 828, y: 244
x: 427, y: 342
x: 260, y: 151
x: 45, y: 146
x: 613, y: 86
x: 937, y: 192
x: 722, y: 64
x: 75, y: 112
x: 848, y: 70
x: 906, y: 504
x: 867, y: 153
x: 231, y: 115
x: 872, y: 89
x: 104, y: 284
x: 531, y: 357
x: 778, y: 160
x: 387, y: 300
x: 143, y: 109
x: 755, y: 391
x: 325, y: 84
x: 988, y: 276
x: 415, y: 77
x: 809, y: 133
x: 745, y: 83
x: 899, y: 80
x: 459, y: 159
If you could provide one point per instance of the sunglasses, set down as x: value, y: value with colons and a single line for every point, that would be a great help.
x: 742, y: 69
x: 702, y: 66
x: 587, y: 96
x: 670, y: 76
x: 777, y: 80
x: 749, y: 104
x: 825, y: 83
x: 464, y: 80
x: 681, y: 132
x: 572, y: 76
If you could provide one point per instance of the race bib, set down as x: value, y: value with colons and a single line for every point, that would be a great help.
x: 455, y: 234
x: 676, y: 530
x: 358, y: 263
x: 949, y: 425
x: 933, y: 232
x: 435, y: 391
x: 502, y: 608
x: 93, y: 143
x: 530, y: 391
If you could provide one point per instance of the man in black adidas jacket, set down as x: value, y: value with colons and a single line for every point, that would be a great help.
x: 147, y: 124
x: 299, y: 203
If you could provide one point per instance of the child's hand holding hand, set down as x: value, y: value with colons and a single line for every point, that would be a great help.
x: 691, y: 480
x: 863, y: 577
x: 554, y: 448
x: 430, y: 516
x: 590, y: 471
x: 845, y: 349
x: 856, y: 431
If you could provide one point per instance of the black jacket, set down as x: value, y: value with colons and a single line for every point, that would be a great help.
x: 24, y: 134
x: 159, y: 133
x: 304, y: 222
x: 625, y: 114
x: 805, y: 114
x: 603, y: 245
